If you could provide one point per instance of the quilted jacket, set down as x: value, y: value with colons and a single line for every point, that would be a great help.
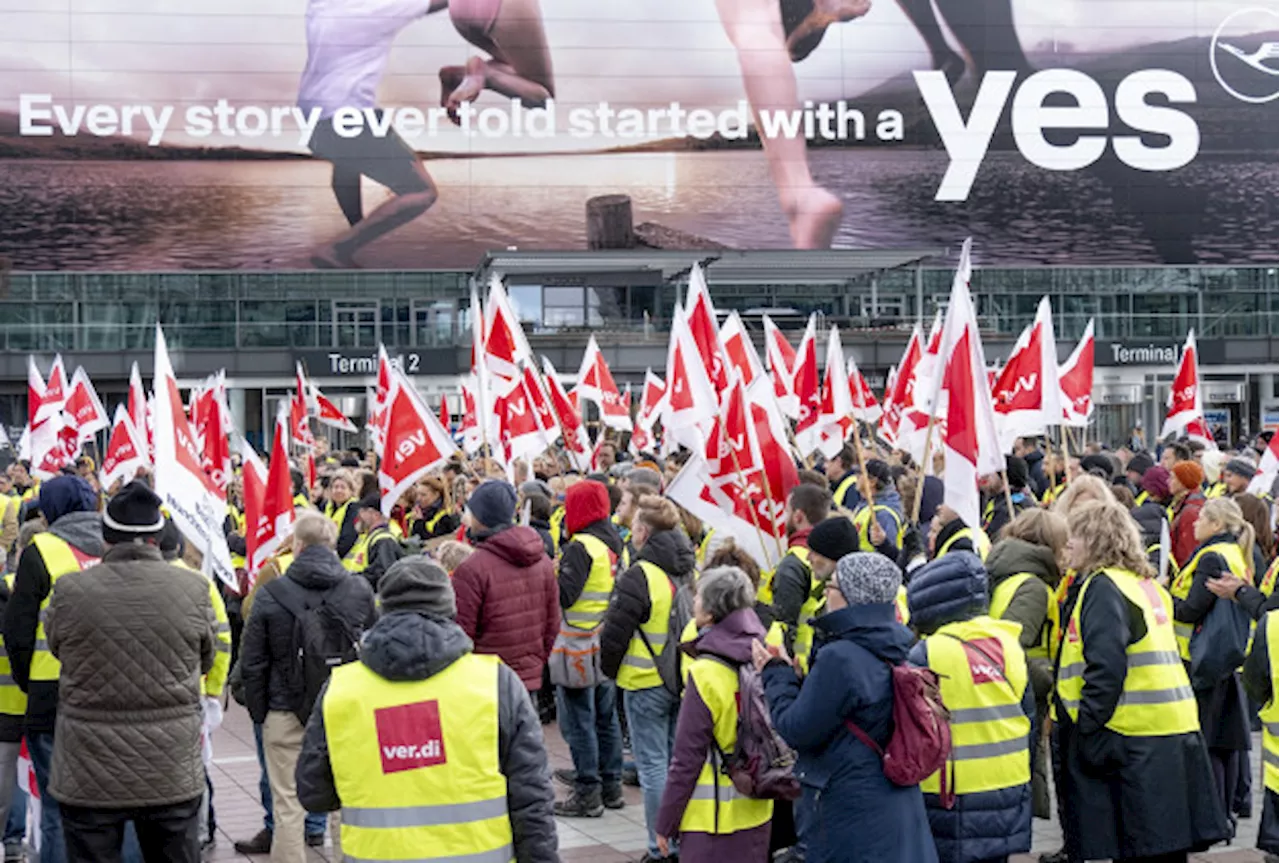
x: 134, y: 635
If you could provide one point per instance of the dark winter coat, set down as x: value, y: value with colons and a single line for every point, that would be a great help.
x: 134, y: 635
x: 1224, y: 717
x: 30, y: 587
x: 1038, y: 482
x: 575, y: 561
x: 1255, y: 602
x: 1127, y: 797
x: 380, y: 555
x: 982, y: 825
x: 852, y: 496
x: 1029, y: 607
x: 931, y: 499
x: 792, y: 581
x: 445, y: 526
x: 1151, y: 518
x: 861, y: 816
x: 949, y: 530
x: 1257, y: 669
x: 508, y: 602
x: 631, y: 606
x: 729, y: 640
x: 889, y: 498
x: 544, y: 531
x: 267, y: 646
x: 408, y: 646
x: 1183, y: 529
x: 10, y: 726
x: 995, y: 512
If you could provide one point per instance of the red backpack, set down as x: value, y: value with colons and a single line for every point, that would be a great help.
x: 921, y: 740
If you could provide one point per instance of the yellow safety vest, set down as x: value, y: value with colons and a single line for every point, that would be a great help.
x: 1268, y: 583
x: 978, y: 537
x: 1141, y: 499
x: 704, y: 544
x: 301, y: 501
x: 336, y: 514
x: 238, y: 523
x: 588, y: 611
x: 13, y: 701
x: 557, y: 527
x: 1157, y: 700
x: 283, y: 562
x: 990, y: 734
x: 357, y: 559
x: 216, y: 680
x: 837, y: 497
x: 1003, y: 595
x: 814, y: 604
x: 1270, y: 713
x: 716, y: 806
x: 1218, y: 489
x: 1181, y: 586
x: 1052, y: 494
x: 60, y: 558
x: 638, y: 670
x: 435, y: 520
x: 415, y: 764
x: 862, y: 521
x: 900, y: 608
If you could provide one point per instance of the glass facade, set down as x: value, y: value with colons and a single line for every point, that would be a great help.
x: 44, y: 312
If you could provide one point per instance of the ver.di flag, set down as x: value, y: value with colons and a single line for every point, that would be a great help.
x: 126, y: 451
x: 414, y: 443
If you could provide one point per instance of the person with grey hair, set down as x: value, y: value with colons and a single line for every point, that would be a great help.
x: 864, y: 818
x: 699, y: 803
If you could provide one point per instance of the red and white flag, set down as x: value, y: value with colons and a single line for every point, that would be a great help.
x: 126, y: 451
x: 806, y: 386
x: 691, y: 399
x: 211, y: 423
x: 269, y: 511
x: 781, y: 358
x: 504, y: 350
x: 970, y: 443
x: 83, y: 409
x: 836, y: 407
x: 574, y: 433
x: 27, y: 782
x: 446, y: 421
x: 1186, y: 410
x: 596, y: 384
x: 1027, y: 392
x: 526, y: 423
x: 377, y: 403
x: 53, y: 394
x: 914, y: 424
x: 652, y: 399
x: 320, y: 407
x: 770, y: 429
x: 180, y: 479
x: 415, y: 442
x: 865, y: 407
x: 1075, y: 378
x: 701, y: 317
x: 739, y: 350
x: 898, y: 393
x: 1268, y: 466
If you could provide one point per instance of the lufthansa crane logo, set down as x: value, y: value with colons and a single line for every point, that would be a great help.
x: 1245, y: 54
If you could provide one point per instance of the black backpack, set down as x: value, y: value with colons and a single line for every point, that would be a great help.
x: 323, y: 639
x: 668, y: 662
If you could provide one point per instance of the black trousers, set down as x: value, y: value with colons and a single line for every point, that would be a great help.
x: 166, y: 834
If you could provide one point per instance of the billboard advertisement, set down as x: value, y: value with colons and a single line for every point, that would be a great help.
x: 151, y: 135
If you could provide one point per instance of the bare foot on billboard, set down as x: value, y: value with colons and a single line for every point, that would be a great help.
x: 814, y: 216
x: 329, y: 258
x: 824, y: 14
x: 468, y: 88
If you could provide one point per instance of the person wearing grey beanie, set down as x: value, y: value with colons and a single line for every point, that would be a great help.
x: 427, y: 697
x: 1237, y: 474
x: 865, y: 578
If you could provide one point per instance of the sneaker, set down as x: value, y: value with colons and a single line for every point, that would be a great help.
x: 566, y: 777
x: 259, y: 844
x: 788, y: 855
x: 612, y: 797
x: 1059, y: 856
x: 315, y: 840
x: 631, y: 776
x: 208, y: 844
x: 581, y: 804
x: 14, y: 852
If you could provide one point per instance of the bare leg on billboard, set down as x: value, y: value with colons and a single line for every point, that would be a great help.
x: 926, y: 23
x: 755, y: 29
x: 823, y: 14
x: 512, y: 34
x: 346, y: 188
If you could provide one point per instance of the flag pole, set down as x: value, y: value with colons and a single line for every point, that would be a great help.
x: 928, y: 452
x: 857, y: 448
x: 1008, y: 494
x: 768, y: 493
x: 1066, y: 455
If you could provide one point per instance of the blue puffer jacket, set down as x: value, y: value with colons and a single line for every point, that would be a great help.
x: 989, y: 824
x: 951, y: 588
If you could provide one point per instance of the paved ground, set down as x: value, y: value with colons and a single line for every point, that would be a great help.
x: 617, y: 837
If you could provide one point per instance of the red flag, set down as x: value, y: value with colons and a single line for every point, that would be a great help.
x: 739, y: 350
x: 576, y: 442
x: 898, y: 396
x: 805, y: 385
x: 596, y: 384
x: 445, y: 421
x: 126, y: 452
x: 54, y: 394
x: 1186, y: 411
x: 377, y: 406
x: 504, y: 349
x: 525, y: 420
x: 83, y: 408
x: 1268, y: 467
x: 782, y: 359
x: 691, y: 399
x: 863, y: 400
x: 701, y: 317
x: 415, y: 443
x: 212, y: 425
x: 1075, y: 378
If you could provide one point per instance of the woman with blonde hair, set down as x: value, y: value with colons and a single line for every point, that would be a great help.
x: 1085, y: 488
x: 1136, y: 780
x: 433, y: 513
x: 1226, y: 542
x: 341, y: 509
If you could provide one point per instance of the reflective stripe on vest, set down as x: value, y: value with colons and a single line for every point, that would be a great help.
x: 435, y: 520
x: 990, y: 734
x: 13, y: 701
x: 557, y: 527
x: 1270, y: 713
x: 862, y: 521
x: 638, y: 670
x: 336, y: 514
x: 1141, y: 499
x: 1268, y: 583
x: 216, y: 679
x: 357, y: 559
x: 1157, y: 700
x: 1181, y: 586
x: 716, y: 807
x: 60, y: 558
x: 588, y: 611
x: 842, y: 489
x: 415, y: 764
x: 978, y: 538
x: 1003, y: 595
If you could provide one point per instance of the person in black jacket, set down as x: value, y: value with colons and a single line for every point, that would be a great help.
x: 268, y: 655
x: 995, y: 512
x: 945, y: 525
x: 1258, y: 676
x: 1028, y: 449
x: 1150, y: 513
x: 793, y: 577
x: 417, y: 639
x: 651, y: 707
x: 381, y: 549
x: 341, y: 510
x: 432, y: 513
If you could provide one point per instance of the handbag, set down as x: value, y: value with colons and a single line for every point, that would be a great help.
x: 575, y: 657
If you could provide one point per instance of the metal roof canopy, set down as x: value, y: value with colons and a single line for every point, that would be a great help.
x: 727, y: 266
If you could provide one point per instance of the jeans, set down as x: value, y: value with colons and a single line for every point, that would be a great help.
x: 651, y: 716
x: 53, y: 848
x: 315, y: 820
x: 589, y: 723
x: 15, y: 829
x: 9, y: 780
x: 166, y: 834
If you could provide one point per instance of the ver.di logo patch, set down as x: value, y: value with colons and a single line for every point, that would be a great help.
x: 1245, y: 54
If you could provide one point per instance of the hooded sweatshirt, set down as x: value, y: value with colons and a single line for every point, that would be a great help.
x: 404, y: 646
x: 631, y: 605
